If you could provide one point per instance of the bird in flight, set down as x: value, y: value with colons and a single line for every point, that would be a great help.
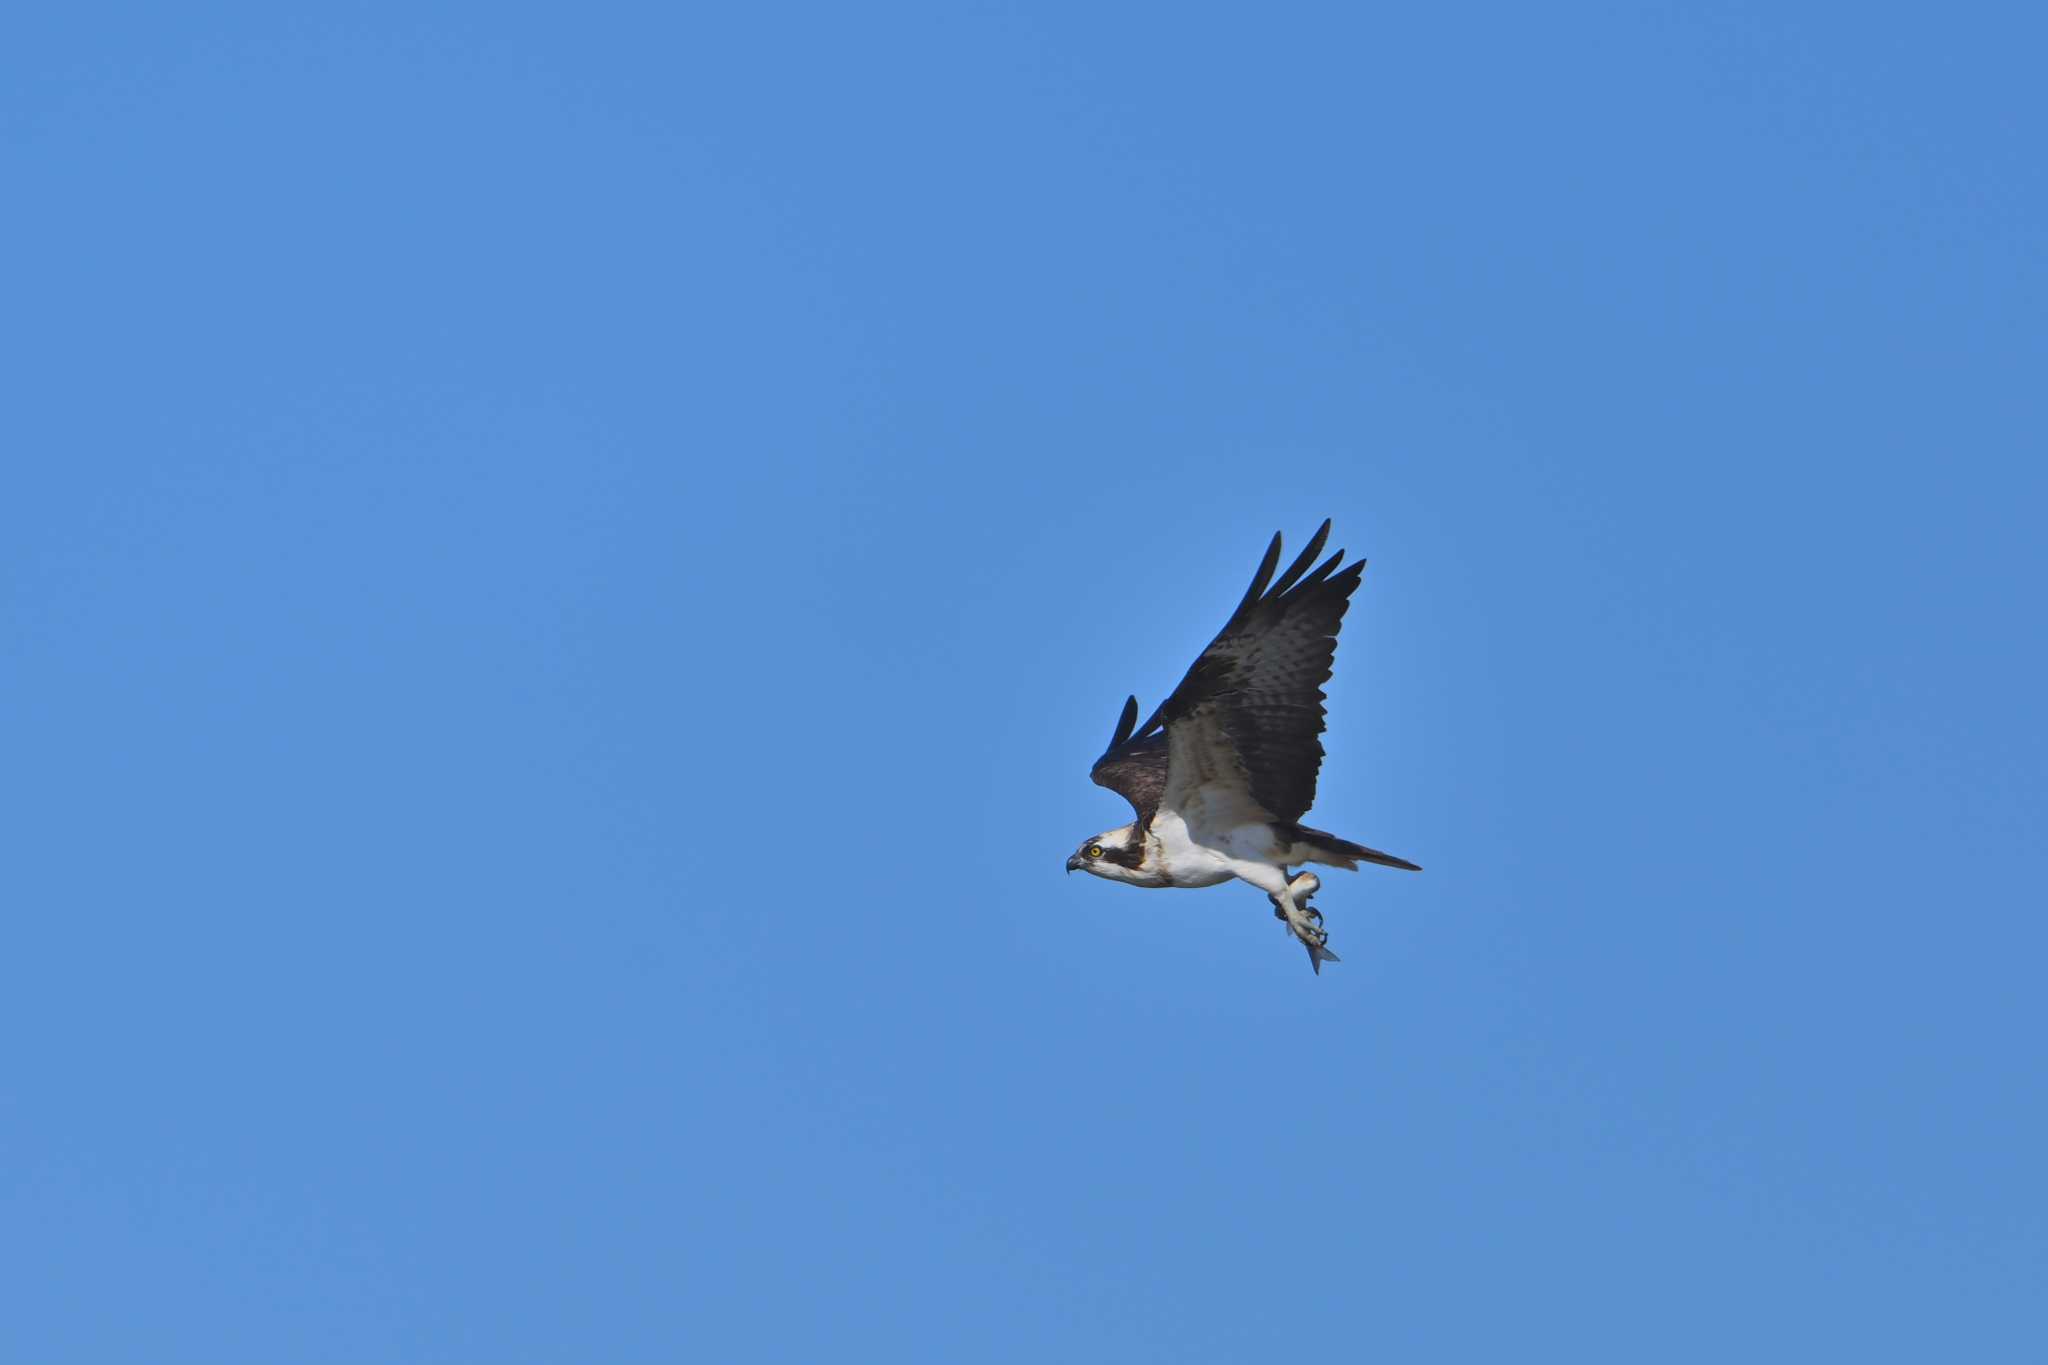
x: 1222, y: 773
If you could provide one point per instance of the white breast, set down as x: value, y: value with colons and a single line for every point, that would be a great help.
x: 1191, y: 854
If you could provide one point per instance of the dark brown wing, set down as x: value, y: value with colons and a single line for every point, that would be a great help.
x: 1253, y: 702
x: 1135, y: 770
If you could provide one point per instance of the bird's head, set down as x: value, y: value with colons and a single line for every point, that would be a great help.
x: 1114, y: 855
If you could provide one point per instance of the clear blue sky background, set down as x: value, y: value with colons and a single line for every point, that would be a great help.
x: 563, y: 570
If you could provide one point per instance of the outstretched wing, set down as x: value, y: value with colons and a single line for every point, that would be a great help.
x: 1133, y: 769
x: 1243, y: 728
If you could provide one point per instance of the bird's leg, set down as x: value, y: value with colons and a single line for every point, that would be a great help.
x: 1304, y: 921
x: 1301, y: 888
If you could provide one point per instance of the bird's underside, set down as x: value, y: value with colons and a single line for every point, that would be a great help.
x: 1222, y: 772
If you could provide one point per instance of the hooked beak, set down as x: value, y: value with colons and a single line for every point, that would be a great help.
x: 1073, y: 861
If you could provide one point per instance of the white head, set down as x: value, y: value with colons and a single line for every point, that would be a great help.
x: 1114, y: 854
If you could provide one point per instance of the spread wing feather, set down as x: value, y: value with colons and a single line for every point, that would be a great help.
x: 1253, y: 701
x: 1137, y: 771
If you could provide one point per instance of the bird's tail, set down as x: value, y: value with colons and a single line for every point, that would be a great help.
x: 1328, y: 849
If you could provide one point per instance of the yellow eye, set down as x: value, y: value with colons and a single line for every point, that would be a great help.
x: 1095, y: 850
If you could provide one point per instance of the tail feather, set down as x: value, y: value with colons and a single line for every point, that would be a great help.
x: 1327, y: 848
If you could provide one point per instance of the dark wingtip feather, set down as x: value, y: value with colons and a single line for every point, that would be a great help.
x: 1301, y: 561
x: 1323, y: 570
x: 1124, y: 723
x: 1261, y: 578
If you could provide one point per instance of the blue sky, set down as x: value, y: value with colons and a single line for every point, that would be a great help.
x: 562, y: 571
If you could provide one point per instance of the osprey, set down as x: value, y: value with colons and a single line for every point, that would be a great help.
x: 1222, y: 773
